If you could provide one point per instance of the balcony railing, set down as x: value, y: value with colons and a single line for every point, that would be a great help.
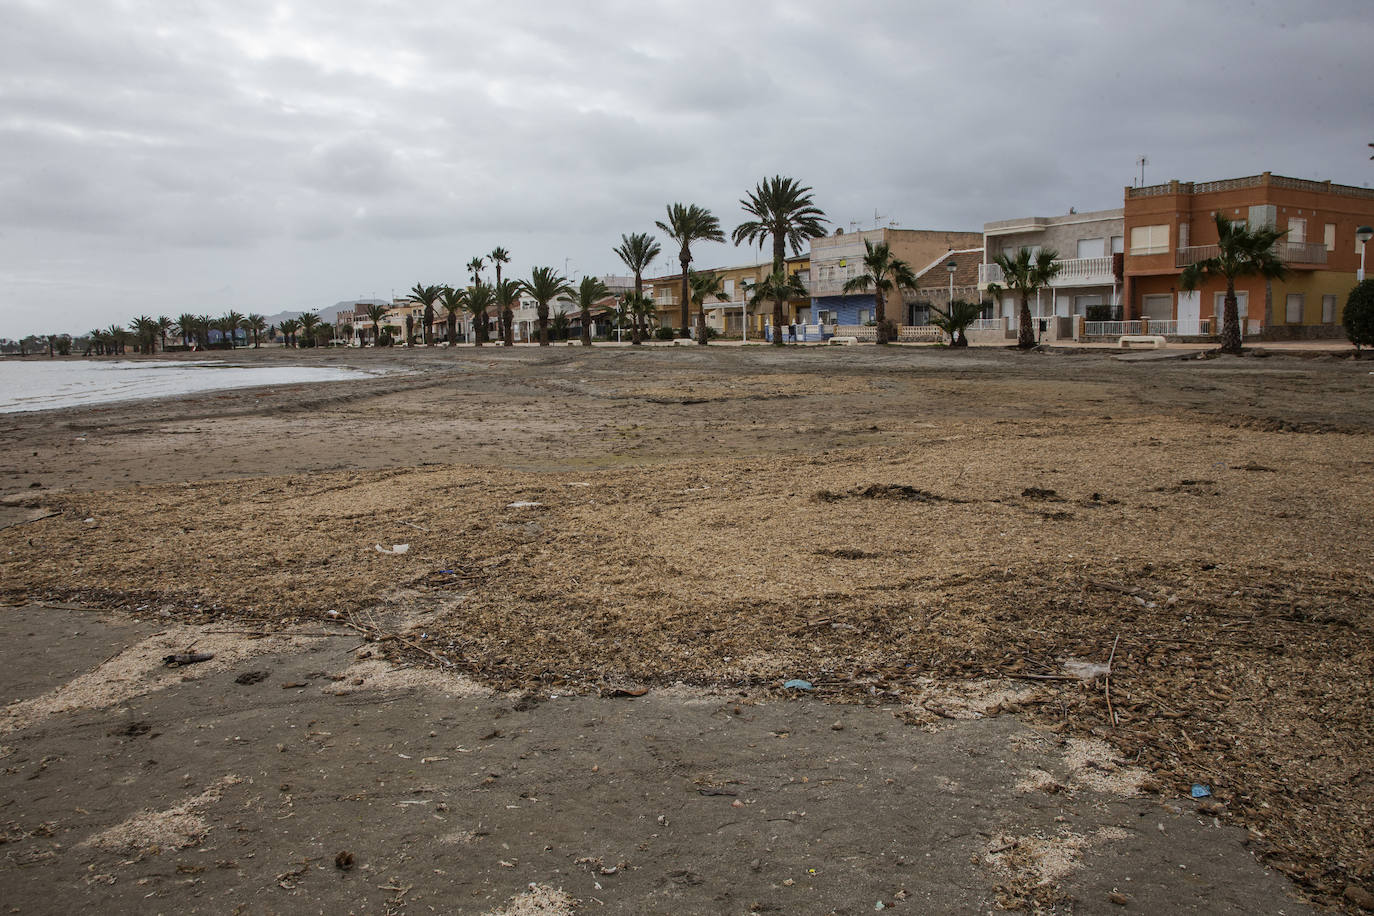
x: 1288, y: 252
x: 1073, y: 272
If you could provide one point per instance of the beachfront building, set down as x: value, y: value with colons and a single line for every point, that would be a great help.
x: 1087, y: 243
x: 729, y: 316
x: 838, y: 258
x: 1169, y: 226
x: 937, y: 284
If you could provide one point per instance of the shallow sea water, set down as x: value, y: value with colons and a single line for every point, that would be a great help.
x: 32, y: 385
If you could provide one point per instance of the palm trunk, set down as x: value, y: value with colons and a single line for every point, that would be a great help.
x: 1025, y: 334
x: 685, y: 259
x: 508, y: 326
x: 452, y: 329
x: 429, y: 325
x: 410, y: 330
x: 778, y: 317
x: 586, y: 327
x: 880, y: 313
x: 1230, y: 321
x: 543, y: 311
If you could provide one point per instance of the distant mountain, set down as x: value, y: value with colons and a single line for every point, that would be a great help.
x: 330, y: 313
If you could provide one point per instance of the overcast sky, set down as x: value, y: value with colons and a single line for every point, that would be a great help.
x: 161, y: 157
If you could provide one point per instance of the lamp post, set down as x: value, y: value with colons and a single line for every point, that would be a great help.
x: 950, y: 266
x: 1363, y: 235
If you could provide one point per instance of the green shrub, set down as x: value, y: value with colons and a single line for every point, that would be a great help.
x: 385, y: 340
x: 1358, y: 316
x: 665, y: 333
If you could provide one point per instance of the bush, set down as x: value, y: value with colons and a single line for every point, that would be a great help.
x: 1358, y: 316
x: 665, y: 333
x: 385, y: 340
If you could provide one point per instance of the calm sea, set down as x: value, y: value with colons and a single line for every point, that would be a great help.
x: 33, y: 385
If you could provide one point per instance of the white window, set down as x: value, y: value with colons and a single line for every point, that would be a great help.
x: 1092, y: 248
x: 730, y: 289
x: 1118, y: 244
x: 865, y: 316
x: 1183, y: 235
x: 1328, y: 309
x: 1242, y: 304
x: 1330, y: 237
x: 1293, y: 308
x: 1297, y: 230
x: 1149, y: 239
x: 1081, y: 304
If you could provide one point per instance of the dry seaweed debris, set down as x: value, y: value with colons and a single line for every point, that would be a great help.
x: 1243, y: 608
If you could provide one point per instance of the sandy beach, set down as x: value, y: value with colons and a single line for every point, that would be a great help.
x: 1035, y: 598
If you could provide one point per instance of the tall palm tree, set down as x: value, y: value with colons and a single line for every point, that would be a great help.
x: 235, y: 322
x: 257, y: 324
x: 885, y: 275
x: 203, y: 332
x: 426, y: 296
x: 498, y: 257
x: 686, y: 225
x: 164, y: 324
x: 637, y: 251
x: 454, y: 302
x: 779, y: 286
x: 375, y: 314
x: 474, y: 267
x: 544, y: 285
x: 590, y: 291
x: 783, y: 212
x: 1241, y: 252
x: 1027, y: 272
x: 480, y: 298
x: 506, y: 292
x: 119, y: 338
x: 309, y: 321
x: 702, y: 286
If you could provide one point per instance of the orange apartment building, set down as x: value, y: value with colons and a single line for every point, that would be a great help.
x: 1169, y: 226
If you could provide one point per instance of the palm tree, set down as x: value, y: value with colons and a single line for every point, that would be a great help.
x: 164, y: 324
x: 558, y: 325
x: 1026, y: 273
x: 186, y: 327
x: 590, y: 291
x: 235, y: 320
x: 885, y: 275
x: 375, y: 314
x: 638, y: 251
x: 203, y: 324
x: 777, y: 287
x: 289, y: 327
x: 686, y: 225
x: 145, y: 328
x: 257, y: 324
x: 118, y: 338
x: 701, y: 286
x: 480, y: 298
x: 454, y: 302
x: 544, y: 285
x: 474, y: 267
x: 956, y: 320
x: 506, y: 291
x: 426, y: 296
x: 1241, y: 252
x: 309, y: 321
x: 782, y: 211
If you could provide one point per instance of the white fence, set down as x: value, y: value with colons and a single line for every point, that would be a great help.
x: 1112, y: 328
x: 988, y: 324
x: 1181, y: 328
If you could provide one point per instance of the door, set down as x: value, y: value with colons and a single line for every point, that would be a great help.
x: 1189, y: 309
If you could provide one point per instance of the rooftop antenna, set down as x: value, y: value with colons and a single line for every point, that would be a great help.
x: 1142, y: 162
x: 877, y: 218
x: 853, y: 225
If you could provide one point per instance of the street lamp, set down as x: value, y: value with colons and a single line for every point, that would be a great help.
x: 1363, y: 235
x: 950, y: 266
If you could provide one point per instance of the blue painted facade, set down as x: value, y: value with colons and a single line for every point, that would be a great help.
x: 844, y: 309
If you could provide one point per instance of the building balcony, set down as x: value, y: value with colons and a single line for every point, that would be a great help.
x: 1073, y: 272
x: 1292, y: 253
